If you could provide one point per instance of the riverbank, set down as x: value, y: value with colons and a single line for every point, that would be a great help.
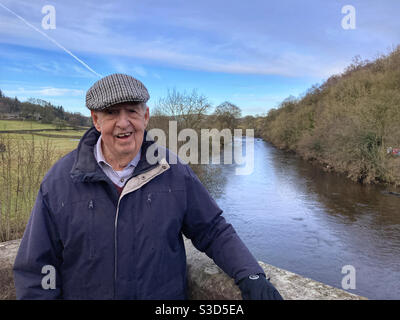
x: 347, y: 124
x: 297, y: 217
x: 325, y: 165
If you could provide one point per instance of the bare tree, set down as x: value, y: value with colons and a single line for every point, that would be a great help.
x: 188, y: 110
x: 227, y: 115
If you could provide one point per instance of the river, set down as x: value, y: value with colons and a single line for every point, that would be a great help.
x: 295, y: 216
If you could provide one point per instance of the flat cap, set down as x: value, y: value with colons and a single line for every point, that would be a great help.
x: 115, y: 88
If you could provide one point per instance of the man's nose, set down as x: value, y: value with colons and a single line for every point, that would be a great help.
x: 123, y: 119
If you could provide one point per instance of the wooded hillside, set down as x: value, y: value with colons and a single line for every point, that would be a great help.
x: 40, y: 110
x: 348, y: 123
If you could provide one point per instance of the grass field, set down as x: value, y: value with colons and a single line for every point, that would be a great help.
x: 24, y: 160
x: 65, y: 142
x: 60, y: 145
x: 24, y: 125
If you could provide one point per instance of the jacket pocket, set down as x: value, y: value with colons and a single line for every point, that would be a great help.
x: 78, y: 230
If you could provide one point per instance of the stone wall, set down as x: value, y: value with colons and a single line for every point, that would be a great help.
x: 206, y: 280
x: 8, y: 251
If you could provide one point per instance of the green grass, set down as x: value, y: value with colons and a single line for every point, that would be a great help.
x: 65, y: 132
x: 63, y: 141
x: 23, y: 163
x: 24, y: 125
x: 61, y: 145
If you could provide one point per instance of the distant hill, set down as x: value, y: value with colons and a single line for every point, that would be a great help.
x: 42, y: 111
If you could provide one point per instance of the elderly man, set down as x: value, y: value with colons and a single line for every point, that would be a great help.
x: 109, y: 224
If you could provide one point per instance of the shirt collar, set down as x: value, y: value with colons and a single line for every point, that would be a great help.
x: 98, y: 154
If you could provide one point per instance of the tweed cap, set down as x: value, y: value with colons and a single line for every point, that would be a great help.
x: 113, y: 89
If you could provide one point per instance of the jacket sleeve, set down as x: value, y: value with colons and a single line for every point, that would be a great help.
x: 39, y: 255
x: 210, y: 233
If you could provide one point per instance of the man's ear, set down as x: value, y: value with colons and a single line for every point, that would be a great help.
x: 95, y: 118
x: 146, y: 117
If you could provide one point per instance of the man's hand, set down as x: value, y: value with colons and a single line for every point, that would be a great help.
x: 257, y: 287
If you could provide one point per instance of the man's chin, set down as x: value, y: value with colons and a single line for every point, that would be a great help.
x: 125, y: 153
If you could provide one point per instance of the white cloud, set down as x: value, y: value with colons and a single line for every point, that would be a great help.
x: 140, y: 71
x: 156, y: 75
x: 44, y: 92
x: 262, y: 38
x: 52, y: 92
x: 120, y: 67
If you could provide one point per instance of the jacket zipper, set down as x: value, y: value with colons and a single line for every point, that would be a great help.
x: 162, y: 168
x: 115, y: 246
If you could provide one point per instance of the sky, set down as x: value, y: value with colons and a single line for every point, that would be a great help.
x: 253, y: 53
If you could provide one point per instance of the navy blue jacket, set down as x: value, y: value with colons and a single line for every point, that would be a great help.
x: 106, y: 246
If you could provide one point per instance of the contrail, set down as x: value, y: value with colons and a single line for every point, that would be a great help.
x: 52, y: 40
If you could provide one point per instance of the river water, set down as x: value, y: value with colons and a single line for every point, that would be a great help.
x: 295, y: 216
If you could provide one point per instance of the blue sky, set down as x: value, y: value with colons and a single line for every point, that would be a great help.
x: 252, y: 53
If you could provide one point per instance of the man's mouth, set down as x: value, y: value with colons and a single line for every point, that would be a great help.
x: 124, y: 135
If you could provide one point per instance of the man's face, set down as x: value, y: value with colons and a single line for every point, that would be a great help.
x: 122, y: 128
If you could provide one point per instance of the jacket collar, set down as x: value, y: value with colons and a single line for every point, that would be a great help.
x: 86, y: 168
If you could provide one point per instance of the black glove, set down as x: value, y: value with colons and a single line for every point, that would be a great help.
x: 257, y: 287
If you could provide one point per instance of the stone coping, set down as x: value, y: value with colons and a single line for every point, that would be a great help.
x: 206, y: 281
